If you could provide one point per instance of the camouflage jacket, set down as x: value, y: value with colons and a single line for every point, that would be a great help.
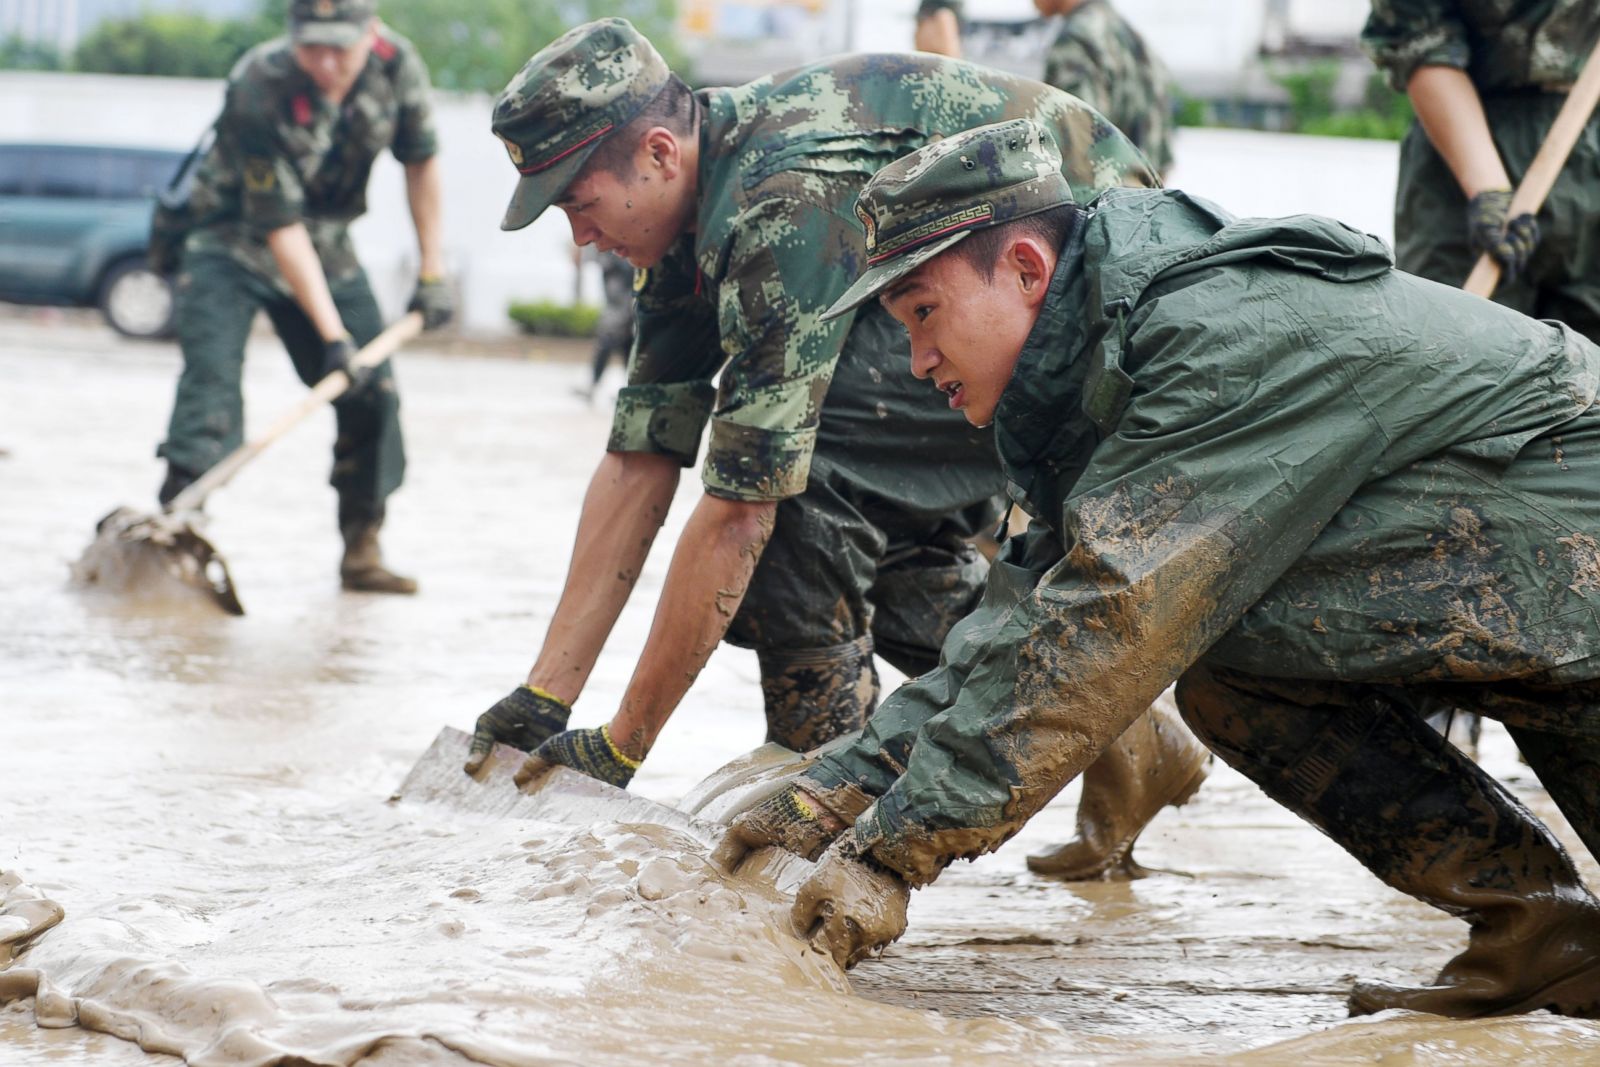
x: 284, y: 154
x: 777, y: 240
x: 1103, y: 61
x: 1501, y: 44
x: 1253, y: 443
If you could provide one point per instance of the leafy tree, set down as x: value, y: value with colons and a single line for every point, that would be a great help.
x: 478, y: 46
x: 19, y: 54
x: 177, y: 43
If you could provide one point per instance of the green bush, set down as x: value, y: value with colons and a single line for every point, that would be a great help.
x: 546, y: 318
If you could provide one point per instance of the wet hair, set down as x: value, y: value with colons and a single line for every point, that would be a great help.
x: 672, y: 108
x: 982, y: 250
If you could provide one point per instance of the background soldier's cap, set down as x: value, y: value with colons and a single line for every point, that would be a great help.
x: 334, y: 22
x: 923, y: 203
x: 584, y: 85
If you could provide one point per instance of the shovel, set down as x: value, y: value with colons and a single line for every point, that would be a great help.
x: 137, y: 551
x: 1546, y: 166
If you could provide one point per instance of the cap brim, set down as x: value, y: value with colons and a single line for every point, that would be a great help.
x: 536, y: 192
x: 336, y: 34
x: 877, y: 279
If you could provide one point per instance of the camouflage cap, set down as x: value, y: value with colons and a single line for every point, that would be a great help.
x: 563, y: 102
x: 923, y: 203
x: 339, y: 23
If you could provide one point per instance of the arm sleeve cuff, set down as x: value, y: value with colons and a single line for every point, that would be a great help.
x: 665, y: 419
x: 747, y: 463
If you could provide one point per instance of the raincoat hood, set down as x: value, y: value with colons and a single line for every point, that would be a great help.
x: 1130, y: 245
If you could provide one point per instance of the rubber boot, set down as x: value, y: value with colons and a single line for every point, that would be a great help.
x: 1365, y: 769
x: 1155, y: 763
x: 814, y: 695
x: 362, y: 570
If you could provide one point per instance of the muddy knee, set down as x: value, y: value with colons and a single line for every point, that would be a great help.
x: 814, y: 695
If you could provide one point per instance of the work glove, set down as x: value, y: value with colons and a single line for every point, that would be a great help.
x: 791, y: 819
x: 434, y: 299
x: 524, y: 719
x: 850, y: 907
x: 1510, y: 242
x: 337, y: 354
x: 590, y: 751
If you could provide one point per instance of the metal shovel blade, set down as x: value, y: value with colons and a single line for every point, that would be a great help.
x: 157, y: 557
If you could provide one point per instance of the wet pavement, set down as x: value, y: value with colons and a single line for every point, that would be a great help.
x: 205, y: 797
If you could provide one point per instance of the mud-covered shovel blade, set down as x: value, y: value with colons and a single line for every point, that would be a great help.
x: 156, y: 557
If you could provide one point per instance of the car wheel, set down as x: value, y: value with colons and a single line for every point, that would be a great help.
x: 137, y: 301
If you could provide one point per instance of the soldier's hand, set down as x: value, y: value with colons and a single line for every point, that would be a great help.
x: 336, y: 356
x: 523, y: 719
x: 590, y: 751
x: 1509, y: 241
x: 434, y: 298
x: 850, y: 907
x: 791, y: 819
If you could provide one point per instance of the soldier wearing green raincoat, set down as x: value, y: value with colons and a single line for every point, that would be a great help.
x: 839, y: 496
x: 1320, y: 494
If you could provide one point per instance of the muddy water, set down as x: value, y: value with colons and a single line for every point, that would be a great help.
x: 206, y: 799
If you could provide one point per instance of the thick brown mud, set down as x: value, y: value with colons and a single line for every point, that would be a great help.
x: 205, y: 799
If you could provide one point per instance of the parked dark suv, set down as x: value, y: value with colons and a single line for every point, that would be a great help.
x: 74, y: 222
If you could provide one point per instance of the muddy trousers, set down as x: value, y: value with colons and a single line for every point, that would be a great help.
x: 1360, y: 763
x: 216, y: 305
x: 812, y: 692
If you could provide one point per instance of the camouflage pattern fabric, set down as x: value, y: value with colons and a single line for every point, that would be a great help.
x: 1517, y: 54
x: 284, y: 154
x: 217, y: 301
x: 1501, y: 44
x: 1099, y: 58
x: 1321, y: 497
x: 927, y: 8
x: 776, y: 242
x: 339, y: 23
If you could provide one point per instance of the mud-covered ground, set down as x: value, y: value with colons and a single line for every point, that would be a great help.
x: 204, y: 796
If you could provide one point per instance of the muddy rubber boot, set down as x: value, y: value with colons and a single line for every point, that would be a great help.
x: 813, y: 695
x: 362, y: 570
x: 1155, y: 763
x: 1369, y: 772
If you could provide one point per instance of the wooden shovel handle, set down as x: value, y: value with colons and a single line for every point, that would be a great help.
x: 328, y: 389
x: 1546, y: 165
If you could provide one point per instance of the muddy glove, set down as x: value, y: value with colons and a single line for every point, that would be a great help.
x: 590, y: 751
x: 851, y: 906
x: 434, y: 299
x: 1511, y: 242
x: 524, y: 720
x: 336, y: 355
x: 791, y: 819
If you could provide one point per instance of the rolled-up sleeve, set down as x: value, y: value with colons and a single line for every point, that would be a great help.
x: 780, y: 352
x: 1402, y: 35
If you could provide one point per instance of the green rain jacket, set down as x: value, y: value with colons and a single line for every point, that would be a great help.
x: 1255, y: 442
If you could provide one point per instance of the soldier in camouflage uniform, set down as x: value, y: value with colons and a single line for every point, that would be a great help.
x: 1099, y: 58
x: 1486, y: 78
x: 838, y: 496
x: 303, y: 120
x: 1318, y: 492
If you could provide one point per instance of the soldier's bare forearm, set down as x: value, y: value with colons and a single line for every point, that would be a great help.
x: 626, y: 503
x: 1451, y: 113
x: 300, y: 266
x: 711, y: 569
x: 425, y: 194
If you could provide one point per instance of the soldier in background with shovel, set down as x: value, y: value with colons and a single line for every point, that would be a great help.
x: 303, y: 120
